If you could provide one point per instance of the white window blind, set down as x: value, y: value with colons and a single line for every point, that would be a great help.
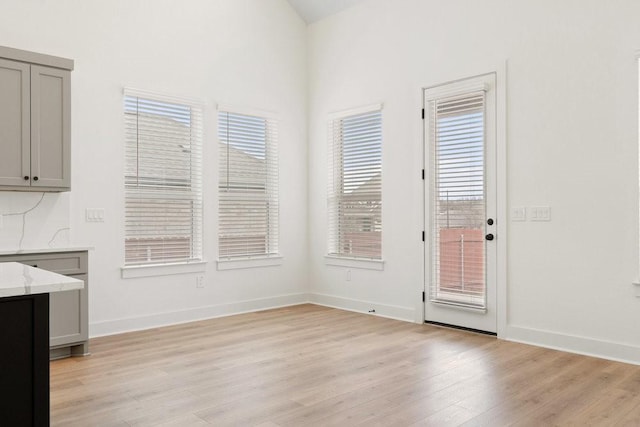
x: 163, y: 183
x: 248, y: 186
x: 355, y: 185
x: 456, y: 139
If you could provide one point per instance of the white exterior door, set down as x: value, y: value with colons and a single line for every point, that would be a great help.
x: 460, y: 203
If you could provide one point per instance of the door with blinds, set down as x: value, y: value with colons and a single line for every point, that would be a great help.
x: 460, y: 203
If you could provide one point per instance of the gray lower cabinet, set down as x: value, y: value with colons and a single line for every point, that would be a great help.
x: 35, y: 121
x: 68, y: 311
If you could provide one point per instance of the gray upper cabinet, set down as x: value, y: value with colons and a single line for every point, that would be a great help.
x: 35, y: 121
x: 15, y: 123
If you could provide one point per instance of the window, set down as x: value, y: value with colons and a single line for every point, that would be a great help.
x: 163, y: 184
x: 248, y: 186
x: 460, y: 153
x: 355, y: 184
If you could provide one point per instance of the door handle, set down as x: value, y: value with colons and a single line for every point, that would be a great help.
x: 489, y: 236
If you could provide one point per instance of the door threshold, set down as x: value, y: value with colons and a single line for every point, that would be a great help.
x: 462, y: 328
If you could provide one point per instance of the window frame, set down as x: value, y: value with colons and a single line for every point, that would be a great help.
x: 636, y: 283
x: 266, y: 190
x: 185, y: 187
x: 336, y: 189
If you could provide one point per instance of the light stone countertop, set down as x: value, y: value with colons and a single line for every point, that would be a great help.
x: 20, y: 279
x: 44, y: 250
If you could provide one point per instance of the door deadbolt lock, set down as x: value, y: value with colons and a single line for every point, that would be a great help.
x: 490, y: 221
x: 489, y: 236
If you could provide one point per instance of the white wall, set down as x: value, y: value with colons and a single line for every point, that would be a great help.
x: 248, y: 53
x: 571, y: 145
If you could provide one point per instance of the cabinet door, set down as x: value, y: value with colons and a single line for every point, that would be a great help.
x: 14, y: 123
x: 68, y: 315
x: 50, y: 127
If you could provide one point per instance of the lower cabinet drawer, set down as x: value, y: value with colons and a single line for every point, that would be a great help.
x: 67, y: 264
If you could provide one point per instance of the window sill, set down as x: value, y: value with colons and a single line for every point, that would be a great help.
x: 135, y: 271
x: 234, y: 264
x: 368, y: 264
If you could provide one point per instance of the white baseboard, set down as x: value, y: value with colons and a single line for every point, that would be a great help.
x: 575, y: 344
x: 118, y: 326
x: 406, y: 314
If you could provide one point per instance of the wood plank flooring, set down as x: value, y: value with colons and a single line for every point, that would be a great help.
x: 315, y: 366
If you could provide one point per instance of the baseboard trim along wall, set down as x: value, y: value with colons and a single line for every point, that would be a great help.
x: 396, y: 312
x: 575, y: 344
x: 556, y: 341
x: 119, y: 326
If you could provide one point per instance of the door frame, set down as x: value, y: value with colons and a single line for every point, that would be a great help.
x: 502, y: 213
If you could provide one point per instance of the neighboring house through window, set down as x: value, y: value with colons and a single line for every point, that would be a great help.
x: 163, y: 184
x: 248, y: 185
x: 355, y: 184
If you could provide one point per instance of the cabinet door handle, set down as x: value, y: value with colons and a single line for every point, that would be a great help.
x: 26, y: 178
x: 35, y: 178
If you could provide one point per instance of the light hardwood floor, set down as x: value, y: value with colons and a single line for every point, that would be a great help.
x: 309, y: 365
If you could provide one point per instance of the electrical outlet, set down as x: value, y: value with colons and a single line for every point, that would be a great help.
x: 199, y: 281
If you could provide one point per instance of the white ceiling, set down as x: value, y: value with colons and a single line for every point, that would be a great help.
x: 314, y: 10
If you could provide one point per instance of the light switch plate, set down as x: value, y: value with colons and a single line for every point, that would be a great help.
x: 540, y: 213
x: 518, y: 213
x: 94, y: 215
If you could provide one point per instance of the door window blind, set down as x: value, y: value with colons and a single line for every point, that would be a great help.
x: 163, y: 184
x: 248, y: 186
x: 456, y: 135
x: 355, y: 185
